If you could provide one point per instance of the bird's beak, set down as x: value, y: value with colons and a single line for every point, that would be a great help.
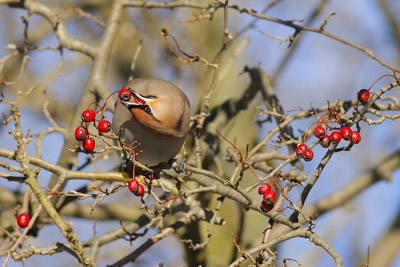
x: 138, y: 100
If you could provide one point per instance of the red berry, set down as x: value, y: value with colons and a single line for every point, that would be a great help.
x: 23, y: 219
x: 81, y: 133
x: 88, y: 144
x: 345, y: 132
x: 133, y: 185
x: 269, y: 196
x: 264, y: 187
x: 265, y: 207
x: 363, y: 95
x: 124, y: 94
x: 307, y: 154
x: 104, y: 126
x: 140, y: 191
x: 355, y: 137
x: 300, y: 149
x: 336, y: 137
x: 88, y: 115
x: 324, y: 142
x: 319, y: 132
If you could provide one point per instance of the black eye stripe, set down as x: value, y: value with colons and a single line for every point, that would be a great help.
x: 146, y: 109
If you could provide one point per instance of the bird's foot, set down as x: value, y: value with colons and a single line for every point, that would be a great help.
x: 180, y: 165
x: 128, y: 157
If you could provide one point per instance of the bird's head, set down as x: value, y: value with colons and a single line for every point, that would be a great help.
x: 141, y: 105
x: 160, y: 107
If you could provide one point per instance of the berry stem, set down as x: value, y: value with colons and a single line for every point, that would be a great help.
x: 386, y: 75
x: 95, y: 103
x: 105, y: 103
x: 27, y: 202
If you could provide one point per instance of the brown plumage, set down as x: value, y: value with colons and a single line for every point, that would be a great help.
x: 156, y: 116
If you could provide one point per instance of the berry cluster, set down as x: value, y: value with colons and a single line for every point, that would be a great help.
x: 135, y: 187
x: 103, y: 126
x: 23, y: 219
x: 269, y: 197
x: 304, y: 152
x: 325, y: 139
x: 82, y: 133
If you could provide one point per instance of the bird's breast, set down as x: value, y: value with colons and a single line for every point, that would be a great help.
x: 153, y: 147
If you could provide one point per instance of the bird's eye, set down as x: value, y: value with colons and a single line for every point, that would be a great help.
x: 151, y: 97
x: 147, y: 109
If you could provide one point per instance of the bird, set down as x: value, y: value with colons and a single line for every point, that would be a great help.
x: 155, y: 115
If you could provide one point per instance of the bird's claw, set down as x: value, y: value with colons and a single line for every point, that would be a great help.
x: 180, y: 165
x: 130, y: 158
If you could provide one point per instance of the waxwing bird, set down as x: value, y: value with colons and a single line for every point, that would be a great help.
x: 157, y: 116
